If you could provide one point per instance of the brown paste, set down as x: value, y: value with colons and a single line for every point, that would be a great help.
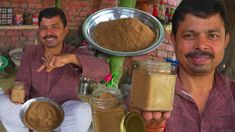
x: 128, y: 34
x: 42, y: 115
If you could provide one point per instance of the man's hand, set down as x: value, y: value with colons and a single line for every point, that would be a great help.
x: 154, y: 120
x: 56, y: 61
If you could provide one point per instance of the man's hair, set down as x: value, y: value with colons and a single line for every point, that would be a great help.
x: 199, y: 8
x: 52, y: 12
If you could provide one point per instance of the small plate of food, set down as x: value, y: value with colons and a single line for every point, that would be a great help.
x: 41, y: 114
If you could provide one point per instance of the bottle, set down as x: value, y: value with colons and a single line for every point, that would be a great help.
x: 86, y: 86
x: 27, y: 18
x: 167, y: 15
x: 153, y: 85
x: 107, y: 109
x: 35, y: 19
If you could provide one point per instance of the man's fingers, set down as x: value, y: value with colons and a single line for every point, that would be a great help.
x: 41, y: 68
x: 157, y: 115
x: 166, y: 115
x: 147, y: 115
x: 51, y: 61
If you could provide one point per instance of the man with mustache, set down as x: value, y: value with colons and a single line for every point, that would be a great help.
x: 204, y: 100
x: 53, y: 69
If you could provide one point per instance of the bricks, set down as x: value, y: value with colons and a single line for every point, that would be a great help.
x: 30, y: 33
x: 13, y: 33
x: 76, y: 12
x: 2, y: 33
x: 15, y: 5
x: 5, y: 3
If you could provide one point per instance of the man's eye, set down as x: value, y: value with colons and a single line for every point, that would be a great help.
x: 55, y: 27
x: 188, y: 36
x: 42, y: 28
x: 213, y: 36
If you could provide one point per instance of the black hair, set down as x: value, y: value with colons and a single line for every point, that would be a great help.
x: 199, y: 8
x: 52, y: 12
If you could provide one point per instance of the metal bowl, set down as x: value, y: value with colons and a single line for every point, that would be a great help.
x: 122, y: 12
x: 25, y: 106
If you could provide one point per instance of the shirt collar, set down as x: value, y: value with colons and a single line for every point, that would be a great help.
x: 221, y: 86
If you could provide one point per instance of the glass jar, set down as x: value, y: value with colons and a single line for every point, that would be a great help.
x: 153, y: 86
x: 18, y: 92
x: 107, y: 109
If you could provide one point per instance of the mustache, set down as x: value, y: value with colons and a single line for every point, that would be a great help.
x: 49, y: 36
x: 200, y: 53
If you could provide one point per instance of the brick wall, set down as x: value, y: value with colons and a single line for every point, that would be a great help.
x: 75, y: 10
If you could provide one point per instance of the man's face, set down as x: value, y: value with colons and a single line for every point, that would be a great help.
x: 200, y: 43
x: 52, y: 32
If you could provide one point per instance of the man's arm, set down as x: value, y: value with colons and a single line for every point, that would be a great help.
x: 92, y: 67
x: 56, y: 61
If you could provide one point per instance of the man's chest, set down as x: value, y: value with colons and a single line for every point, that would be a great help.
x: 218, y: 115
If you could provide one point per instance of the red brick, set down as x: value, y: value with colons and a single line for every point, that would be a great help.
x: 84, y: 4
x: 15, y: 4
x: 47, y: 5
x: 14, y: 39
x: 74, y: 3
x: 31, y: 5
x: 23, y: 5
x: 39, y: 6
x: 84, y: 13
x: 2, y: 33
x: 2, y: 43
x: 30, y: 33
x: 19, y: 10
x: 49, y: 2
x: 22, y: 38
x: 71, y: 13
x: 31, y: 39
x: 5, y: 4
x: 77, y: 19
x: 28, y: 43
x: 13, y: 33
x: 19, y: 0
x: 35, y: 1
x: 112, y: 2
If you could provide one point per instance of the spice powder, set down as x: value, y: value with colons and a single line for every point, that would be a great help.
x: 125, y: 35
x: 42, y: 115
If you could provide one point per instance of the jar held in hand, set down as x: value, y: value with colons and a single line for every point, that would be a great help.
x: 153, y: 86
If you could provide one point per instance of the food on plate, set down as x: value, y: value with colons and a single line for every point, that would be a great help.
x: 125, y: 35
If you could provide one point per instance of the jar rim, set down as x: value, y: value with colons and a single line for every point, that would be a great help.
x: 114, y: 91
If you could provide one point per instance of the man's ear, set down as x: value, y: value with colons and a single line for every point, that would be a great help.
x: 173, y: 39
x: 66, y: 30
x: 227, y: 39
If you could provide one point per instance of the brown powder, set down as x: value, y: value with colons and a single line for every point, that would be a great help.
x: 107, y: 117
x: 108, y: 120
x: 152, y: 92
x: 42, y: 115
x: 128, y: 34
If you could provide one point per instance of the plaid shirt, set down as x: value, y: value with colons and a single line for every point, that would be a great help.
x: 218, y: 115
x: 62, y: 83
